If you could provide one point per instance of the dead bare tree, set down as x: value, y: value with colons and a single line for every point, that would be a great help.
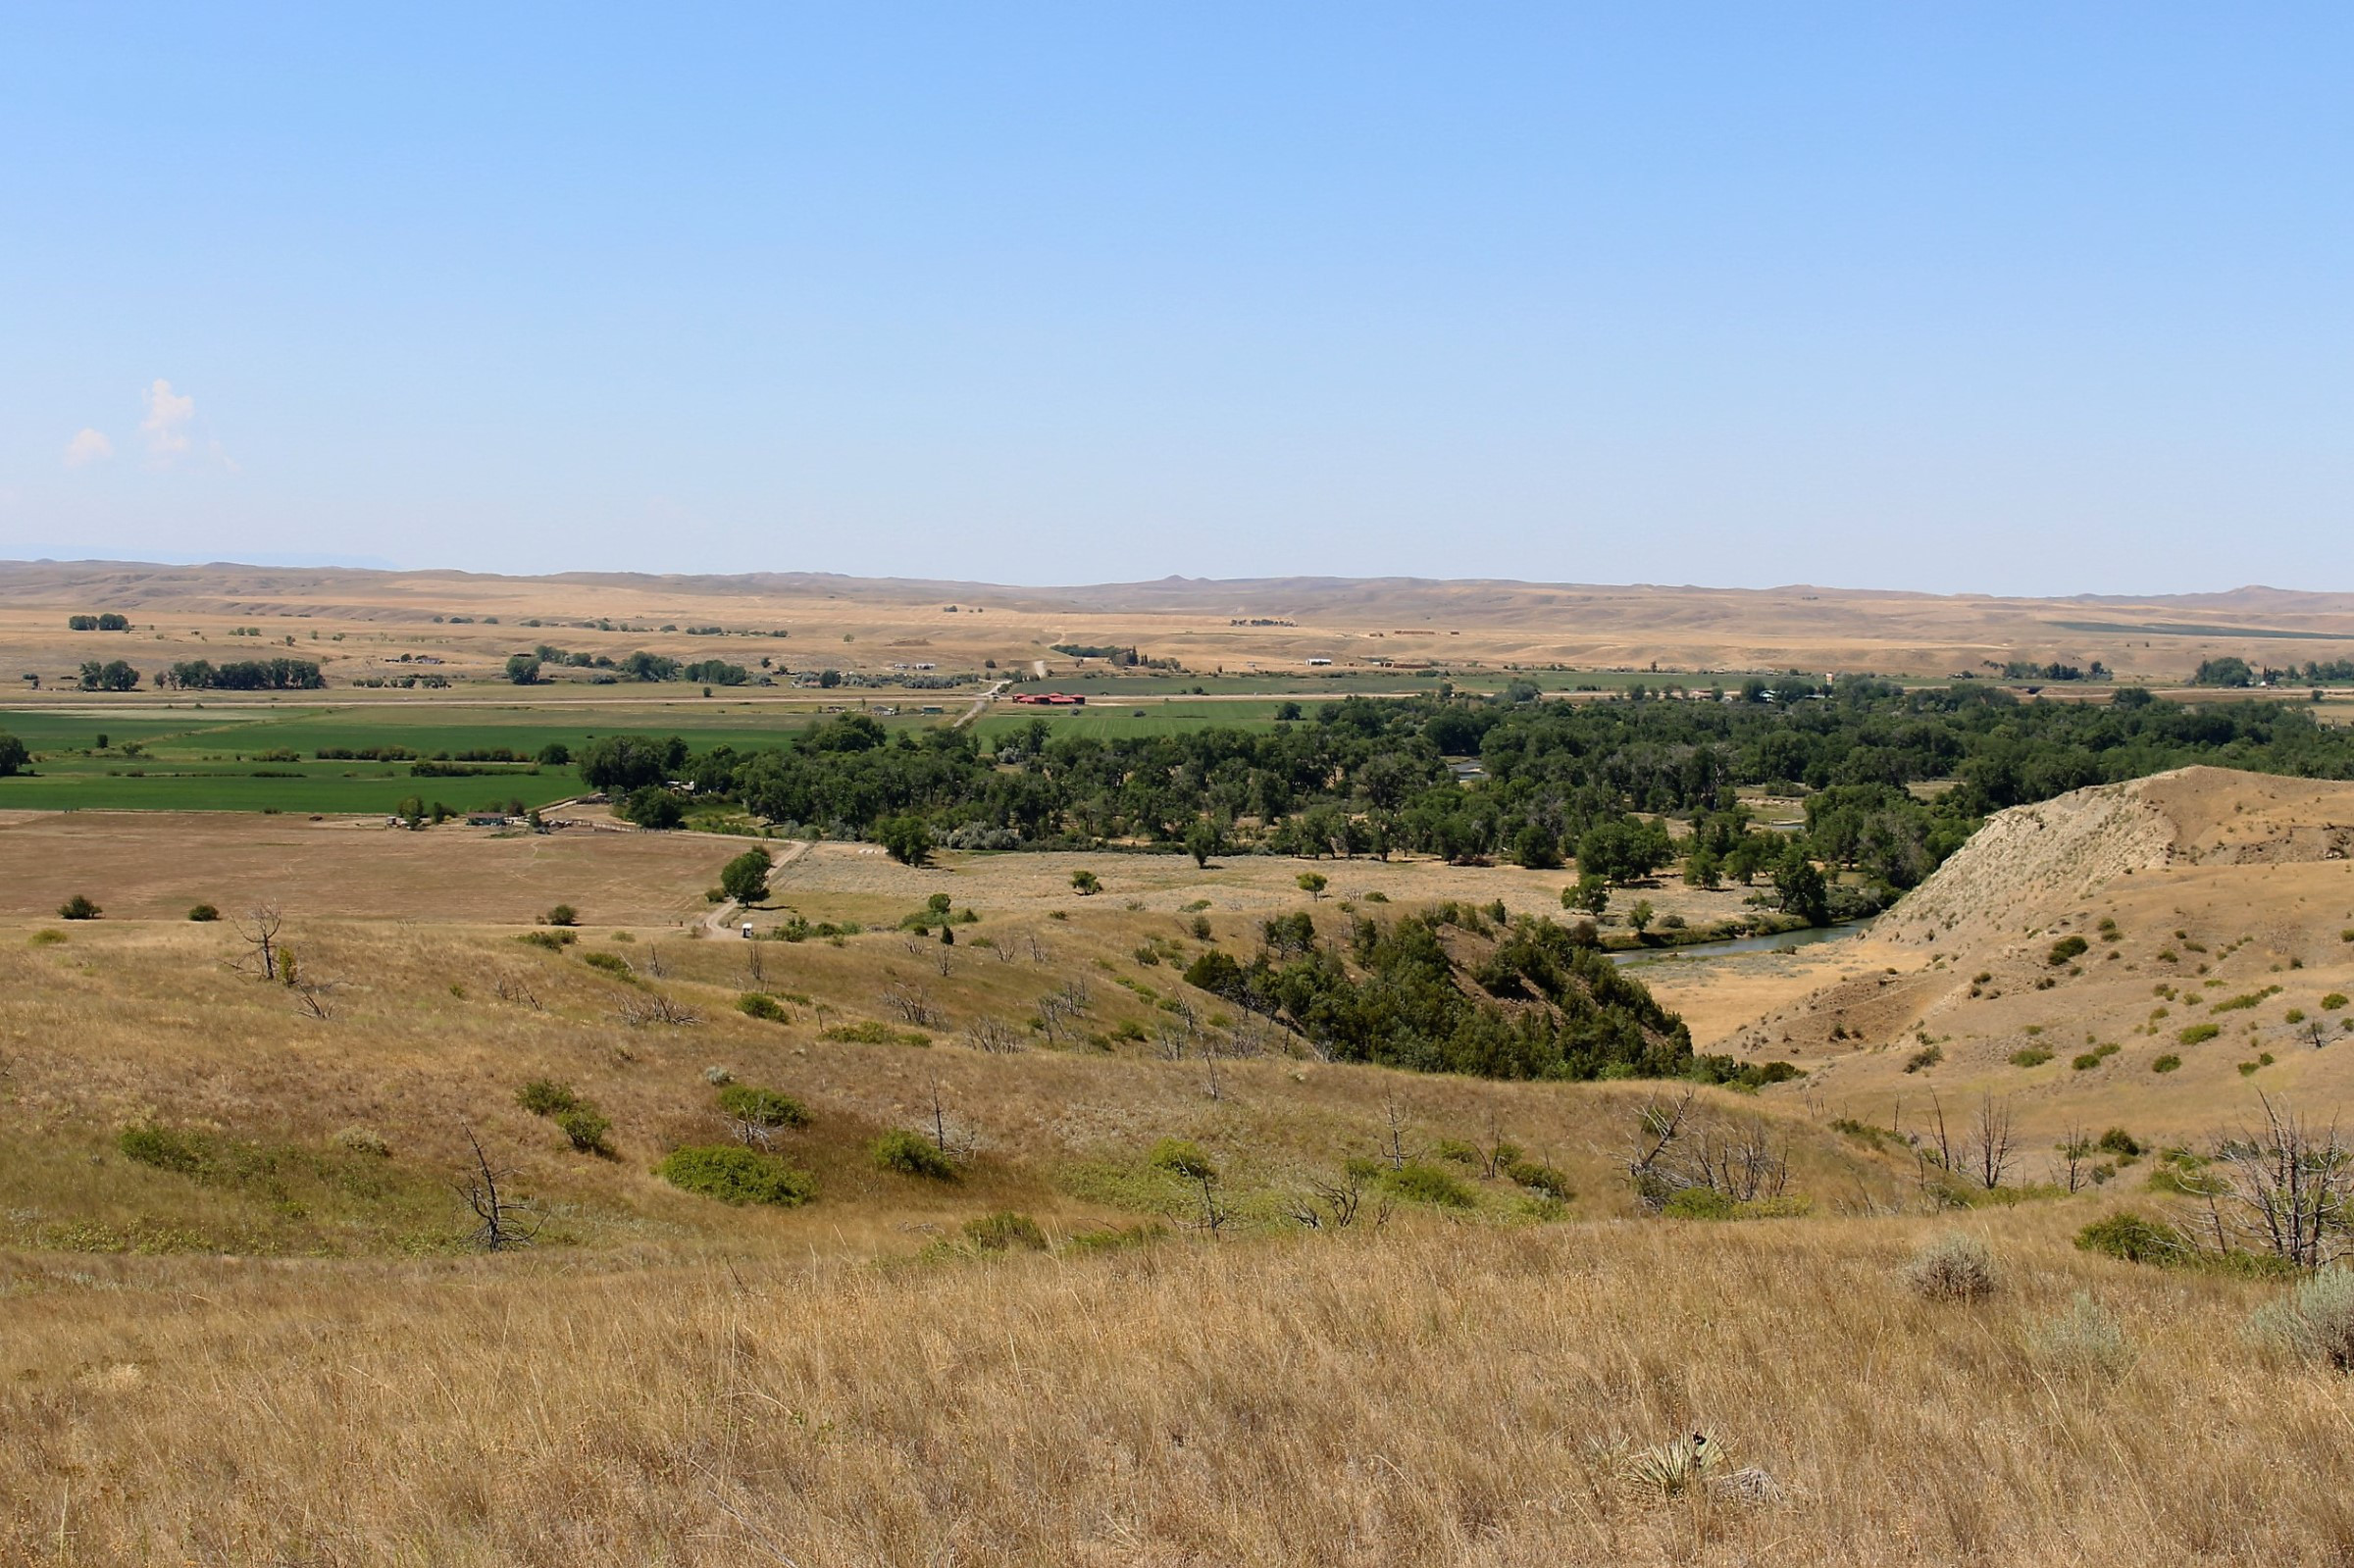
x: 1742, y: 1160
x: 993, y: 1034
x: 259, y: 926
x: 1038, y: 949
x: 654, y: 960
x: 1657, y: 1132
x: 1208, y: 1046
x: 2074, y: 1145
x: 652, y: 1007
x: 1945, y: 1144
x: 2285, y: 1188
x: 1334, y: 1203
x: 752, y: 965
x: 912, y: 1005
x: 1990, y: 1147
x: 501, y: 1224
x: 1498, y: 1154
x: 1394, y: 1149
x: 512, y: 989
x: 943, y: 959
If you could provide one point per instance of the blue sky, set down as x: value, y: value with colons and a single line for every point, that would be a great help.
x: 2036, y: 298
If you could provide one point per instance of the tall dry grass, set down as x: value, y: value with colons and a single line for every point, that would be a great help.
x: 1428, y: 1394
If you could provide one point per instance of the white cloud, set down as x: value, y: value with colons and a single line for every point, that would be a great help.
x: 89, y: 446
x: 166, y: 424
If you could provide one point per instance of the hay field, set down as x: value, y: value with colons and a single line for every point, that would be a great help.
x: 155, y: 865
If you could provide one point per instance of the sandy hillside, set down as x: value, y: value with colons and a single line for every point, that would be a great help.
x: 2191, y: 932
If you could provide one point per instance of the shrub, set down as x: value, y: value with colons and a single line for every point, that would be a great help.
x: 2086, y: 1339
x: 555, y: 941
x: 912, y: 1155
x: 1952, y: 1267
x: 1456, y: 1149
x: 1926, y: 1056
x: 1005, y: 1233
x: 203, y: 914
x: 2117, y: 1140
x: 2066, y: 948
x: 2333, y: 1001
x: 1700, y: 1203
x: 1427, y: 1183
x: 2134, y: 1239
x: 2085, y: 1061
x: 610, y: 963
x: 756, y: 1004
x: 2197, y: 1034
x: 1182, y: 1157
x: 2167, y: 1063
x: 561, y: 915
x: 586, y: 1126
x: 544, y: 1096
x: 2032, y: 1056
x: 763, y: 1108
x: 2314, y: 1322
x: 46, y: 939
x: 77, y: 907
x: 1541, y: 1179
x: 871, y: 1033
x: 734, y: 1174
x: 167, y: 1148
x: 362, y: 1140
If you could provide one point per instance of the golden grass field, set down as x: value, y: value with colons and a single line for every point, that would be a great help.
x: 296, y: 1359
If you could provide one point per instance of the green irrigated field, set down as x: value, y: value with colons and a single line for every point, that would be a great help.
x: 1105, y: 719
x: 115, y: 784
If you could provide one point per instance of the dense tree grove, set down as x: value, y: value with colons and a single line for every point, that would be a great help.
x: 1366, y: 777
x: 1553, y: 1006
x: 244, y: 674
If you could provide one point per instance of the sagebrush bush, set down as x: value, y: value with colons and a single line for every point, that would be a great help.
x: 611, y: 962
x: 912, y: 1155
x: 1952, y: 1267
x: 870, y: 1031
x: 203, y: 913
x: 2314, y: 1322
x: 759, y: 1004
x: 1005, y: 1233
x: 2086, y: 1340
x: 362, y: 1140
x: 555, y: 941
x: 763, y: 1108
x: 734, y: 1174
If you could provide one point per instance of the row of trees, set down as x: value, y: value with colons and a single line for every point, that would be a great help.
x: 244, y: 674
x: 109, y: 621
x: 1363, y: 777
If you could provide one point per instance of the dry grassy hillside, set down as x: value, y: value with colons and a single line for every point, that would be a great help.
x: 2208, y: 918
